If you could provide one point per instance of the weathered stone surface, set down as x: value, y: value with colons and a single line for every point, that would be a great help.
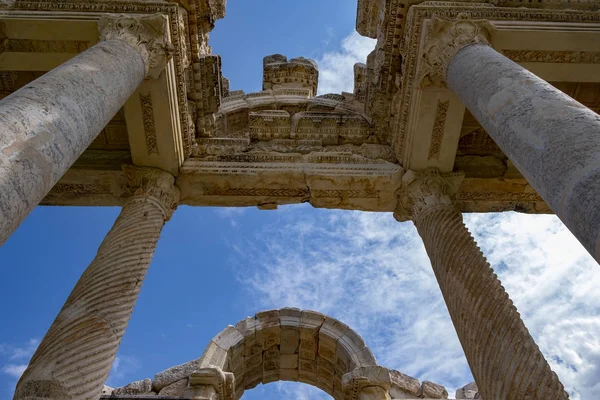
x: 430, y: 390
x: 536, y: 125
x: 138, y: 387
x: 468, y: 391
x: 43, y: 134
x: 460, y: 267
x: 176, y: 389
x: 107, y: 390
x: 174, y: 374
x: 480, y: 166
x: 121, y: 264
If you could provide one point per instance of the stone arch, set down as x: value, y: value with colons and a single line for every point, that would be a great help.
x: 288, y: 345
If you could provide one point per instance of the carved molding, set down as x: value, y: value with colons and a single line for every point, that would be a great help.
x: 550, y: 56
x: 148, y: 120
x: 148, y: 34
x: 446, y: 37
x: 222, y: 382
x: 437, y: 135
x: 425, y: 190
x: 154, y: 184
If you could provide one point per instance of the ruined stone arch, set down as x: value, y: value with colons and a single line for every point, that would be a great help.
x: 290, y: 344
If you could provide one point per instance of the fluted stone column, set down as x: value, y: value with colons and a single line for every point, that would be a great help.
x: 48, y: 123
x: 552, y: 139
x: 504, y: 359
x: 74, y: 358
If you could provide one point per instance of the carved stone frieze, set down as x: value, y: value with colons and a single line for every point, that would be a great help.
x: 149, y: 128
x: 148, y: 34
x: 445, y: 38
x: 155, y: 184
x: 45, y: 46
x: 425, y: 190
x: 549, y: 56
x: 437, y: 135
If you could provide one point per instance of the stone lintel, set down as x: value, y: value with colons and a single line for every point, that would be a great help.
x: 148, y: 34
x: 424, y: 190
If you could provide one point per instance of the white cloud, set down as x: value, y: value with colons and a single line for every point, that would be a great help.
x: 24, y: 352
x: 373, y: 273
x: 122, y: 367
x: 336, y: 68
x: 14, y: 370
x: 15, y: 358
x: 230, y: 213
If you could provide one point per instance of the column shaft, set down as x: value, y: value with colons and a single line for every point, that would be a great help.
x: 47, y: 124
x: 504, y: 359
x: 76, y: 355
x: 552, y: 139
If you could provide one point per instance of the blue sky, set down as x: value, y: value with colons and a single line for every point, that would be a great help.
x: 215, y: 266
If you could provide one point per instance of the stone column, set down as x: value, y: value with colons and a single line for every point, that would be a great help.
x: 552, y: 139
x: 504, y: 359
x: 74, y: 358
x: 47, y: 124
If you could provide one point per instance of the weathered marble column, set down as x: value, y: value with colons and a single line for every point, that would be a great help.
x: 552, y: 139
x: 504, y: 359
x: 47, y: 124
x: 74, y: 358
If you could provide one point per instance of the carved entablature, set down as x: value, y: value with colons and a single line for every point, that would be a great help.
x: 367, y: 17
x: 360, y: 82
x: 270, y: 124
x: 300, y: 72
x: 208, y: 87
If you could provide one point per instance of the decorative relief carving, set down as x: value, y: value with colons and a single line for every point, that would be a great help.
x: 148, y: 34
x: 446, y: 37
x: 437, y: 134
x: 364, y: 194
x: 549, y: 56
x: 425, y: 190
x: 148, y: 120
x: 499, y: 196
x: 254, y: 192
x: 298, y: 72
x: 155, y: 184
x: 478, y: 142
x: 45, y: 46
x: 81, y: 188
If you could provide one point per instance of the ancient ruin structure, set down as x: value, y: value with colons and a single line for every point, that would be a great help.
x: 463, y: 106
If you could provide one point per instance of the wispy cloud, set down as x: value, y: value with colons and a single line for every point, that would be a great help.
x: 230, y: 213
x: 336, y: 68
x: 373, y: 273
x: 14, y: 370
x: 123, y: 367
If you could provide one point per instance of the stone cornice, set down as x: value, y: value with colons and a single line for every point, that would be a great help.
x: 155, y: 184
x: 148, y: 34
x: 445, y: 38
x: 425, y: 190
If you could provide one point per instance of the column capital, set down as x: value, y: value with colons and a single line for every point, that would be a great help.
x: 445, y: 38
x: 155, y: 184
x: 424, y: 190
x: 147, y: 33
x: 212, y: 376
